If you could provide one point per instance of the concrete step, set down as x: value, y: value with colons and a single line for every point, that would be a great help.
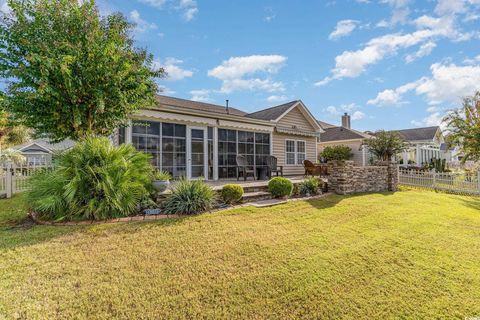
x: 256, y: 196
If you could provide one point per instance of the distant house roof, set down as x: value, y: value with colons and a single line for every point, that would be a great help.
x: 46, y: 145
x: 341, y: 133
x: 418, y: 134
x: 196, y: 105
x: 272, y: 113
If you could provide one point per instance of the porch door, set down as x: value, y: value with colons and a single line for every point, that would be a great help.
x: 197, y: 153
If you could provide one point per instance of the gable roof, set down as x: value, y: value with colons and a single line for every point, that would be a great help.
x: 196, y: 105
x: 47, y: 145
x: 341, y: 133
x: 272, y: 113
x: 325, y: 125
x: 417, y: 134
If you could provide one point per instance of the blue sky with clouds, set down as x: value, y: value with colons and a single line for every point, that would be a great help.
x: 389, y: 63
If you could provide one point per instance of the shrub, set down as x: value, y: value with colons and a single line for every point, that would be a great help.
x: 189, y: 197
x: 310, y: 186
x: 336, y: 153
x: 232, y: 193
x: 162, y: 175
x: 93, y: 180
x: 280, y: 187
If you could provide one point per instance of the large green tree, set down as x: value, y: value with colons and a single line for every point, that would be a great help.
x: 463, y: 127
x: 385, y: 144
x: 70, y: 72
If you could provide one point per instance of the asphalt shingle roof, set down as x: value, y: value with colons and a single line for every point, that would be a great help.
x: 45, y: 143
x: 416, y: 134
x: 341, y: 133
x: 196, y: 105
x: 271, y: 113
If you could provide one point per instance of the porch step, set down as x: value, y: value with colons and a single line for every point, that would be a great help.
x: 256, y: 196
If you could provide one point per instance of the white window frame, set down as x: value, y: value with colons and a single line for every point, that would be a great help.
x: 296, y: 153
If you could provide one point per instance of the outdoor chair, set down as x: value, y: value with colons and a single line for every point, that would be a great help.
x: 311, y: 169
x: 244, y: 169
x: 272, y: 167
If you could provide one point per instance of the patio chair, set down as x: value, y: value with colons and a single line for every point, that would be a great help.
x: 272, y: 167
x: 311, y: 169
x: 244, y: 169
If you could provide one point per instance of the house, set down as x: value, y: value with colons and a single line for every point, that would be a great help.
x: 40, y: 151
x: 345, y: 135
x: 425, y: 144
x: 197, y: 139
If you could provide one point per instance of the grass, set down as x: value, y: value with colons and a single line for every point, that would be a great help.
x: 412, y: 254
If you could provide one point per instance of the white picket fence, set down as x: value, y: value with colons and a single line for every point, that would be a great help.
x: 14, y: 178
x: 460, y: 183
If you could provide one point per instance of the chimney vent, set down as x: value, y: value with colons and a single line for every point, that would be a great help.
x: 346, y: 121
x: 226, y: 106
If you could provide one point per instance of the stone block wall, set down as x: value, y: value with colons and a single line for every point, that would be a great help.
x: 345, y: 178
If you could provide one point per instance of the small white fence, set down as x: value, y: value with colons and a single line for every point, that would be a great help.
x: 14, y: 178
x: 461, y: 183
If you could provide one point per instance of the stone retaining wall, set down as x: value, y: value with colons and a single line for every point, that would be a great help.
x: 345, y: 178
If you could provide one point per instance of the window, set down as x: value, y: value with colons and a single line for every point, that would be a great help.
x: 295, y: 152
x: 300, y: 152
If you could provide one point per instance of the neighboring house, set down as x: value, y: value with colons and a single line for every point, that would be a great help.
x: 345, y: 135
x: 425, y: 144
x: 196, y: 139
x: 39, y: 151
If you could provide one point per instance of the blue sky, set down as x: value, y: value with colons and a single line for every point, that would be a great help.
x: 391, y: 63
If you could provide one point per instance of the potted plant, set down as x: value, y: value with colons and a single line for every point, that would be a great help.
x: 161, y: 180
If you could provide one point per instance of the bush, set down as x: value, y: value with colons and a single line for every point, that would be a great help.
x: 232, y: 193
x: 189, y: 197
x: 162, y: 175
x: 280, y: 187
x: 310, y: 186
x: 336, y: 153
x: 93, y: 180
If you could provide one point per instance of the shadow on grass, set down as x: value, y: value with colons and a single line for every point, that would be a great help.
x: 472, y: 203
x: 334, y: 199
x: 27, y: 233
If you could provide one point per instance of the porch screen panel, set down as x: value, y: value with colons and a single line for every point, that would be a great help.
x: 146, y: 138
x: 246, y: 146
x: 227, y: 153
x: 174, y: 149
x: 210, y: 153
x: 262, y: 149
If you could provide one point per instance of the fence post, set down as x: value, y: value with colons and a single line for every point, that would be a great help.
x: 8, y: 180
x: 434, y: 180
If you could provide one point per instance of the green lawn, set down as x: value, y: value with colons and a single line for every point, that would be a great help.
x: 412, y: 254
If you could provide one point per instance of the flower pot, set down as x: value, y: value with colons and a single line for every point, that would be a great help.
x: 161, y: 185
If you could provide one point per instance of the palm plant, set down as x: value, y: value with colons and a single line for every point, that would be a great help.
x: 189, y: 197
x: 93, y: 180
x: 385, y: 144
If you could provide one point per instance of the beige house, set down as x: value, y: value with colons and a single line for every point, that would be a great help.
x: 345, y: 135
x: 196, y: 139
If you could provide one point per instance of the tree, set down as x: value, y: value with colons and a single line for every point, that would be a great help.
x: 336, y: 153
x: 10, y: 133
x: 385, y: 144
x: 70, y: 72
x: 463, y: 126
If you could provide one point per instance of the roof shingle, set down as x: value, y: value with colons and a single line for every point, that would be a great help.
x: 272, y: 113
x: 417, y: 134
x: 196, y: 105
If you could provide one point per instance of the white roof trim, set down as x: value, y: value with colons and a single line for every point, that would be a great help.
x: 298, y: 132
x: 308, y: 115
x: 35, y: 144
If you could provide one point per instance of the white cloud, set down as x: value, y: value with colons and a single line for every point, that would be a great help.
x: 141, y: 25
x: 343, y: 29
x: 434, y: 119
x: 342, y: 108
x: 447, y: 83
x: 357, y: 115
x: 473, y: 60
x: 400, y: 13
x: 202, y: 95
x: 154, y: 3
x: 233, y: 73
x: 424, y: 50
x: 275, y: 98
x: 269, y: 14
x: 165, y: 90
x: 446, y: 7
x: 174, y: 72
x: 351, y: 64
x: 190, y: 13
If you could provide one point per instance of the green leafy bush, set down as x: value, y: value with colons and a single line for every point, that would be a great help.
x: 336, y: 153
x: 162, y: 175
x: 280, y: 187
x: 310, y: 186
x: 189, y: 197
x: 232, y: 193
x: 93, y: 180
